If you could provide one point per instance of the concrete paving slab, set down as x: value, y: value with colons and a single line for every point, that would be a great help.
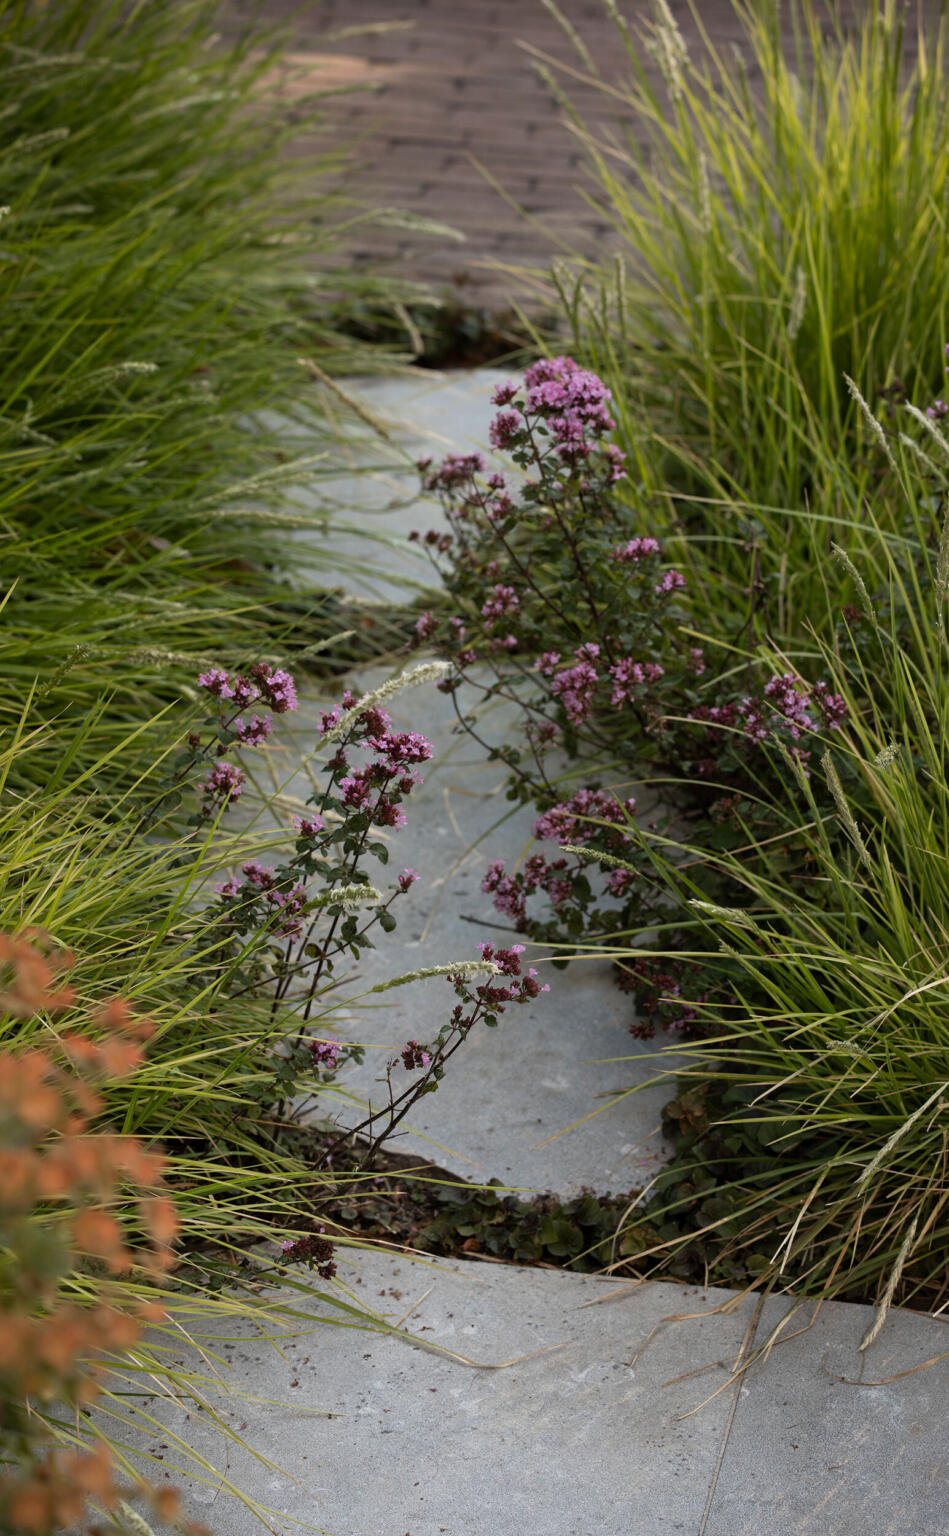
x: 575, y: 1441
x: 550, y: 1063
x: 822, y: 1443
x: 377, y: 506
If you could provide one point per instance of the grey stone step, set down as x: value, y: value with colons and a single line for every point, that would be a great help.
x: 617, y: 1416
x: 376, y: 507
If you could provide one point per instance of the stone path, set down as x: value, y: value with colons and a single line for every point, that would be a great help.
x: 596, y: 1427
x: 590, y: 1438
x: 550, y: 1063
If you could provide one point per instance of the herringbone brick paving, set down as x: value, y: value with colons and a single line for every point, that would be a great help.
x: 449, y: 98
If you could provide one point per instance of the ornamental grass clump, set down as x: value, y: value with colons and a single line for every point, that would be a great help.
x: 822, y: 1150
x: 165, y: 263
x: 810, y: 1116
x: 776, y: 210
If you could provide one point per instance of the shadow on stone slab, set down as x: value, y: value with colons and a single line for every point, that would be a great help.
x: 375, y: 508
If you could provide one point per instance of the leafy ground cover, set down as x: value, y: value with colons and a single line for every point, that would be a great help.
x: 399, y: 1200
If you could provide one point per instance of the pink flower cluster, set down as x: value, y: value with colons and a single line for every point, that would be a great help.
x: 256, y: 733
x: 570, y: 401
x: 786, y: 707
x: 456, y: 469
x: 325, y: 1053
x: 510, y: 892
x: 310, y: 826
x: 260, y: 884
x: 224, y: 782
x: 275, y: 687
x: 557, y: 877
x: 426, y: 624
x: 502, y: 601
x: 575, y: 687
x: 370, y: 788
x: 372, y: 722
x: 505, y: 426
x: 576, y: 820
x: 657, y: 985
x: 636, y: 550
x: 519, y: 988
x: 792, y: 707
x: 510, y: 898
x: 397, y: 748
x: 552, y: 876
x: 628, y: 675
x: 414, y: 1056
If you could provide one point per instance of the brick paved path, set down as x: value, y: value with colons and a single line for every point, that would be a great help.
x: 450, y: 85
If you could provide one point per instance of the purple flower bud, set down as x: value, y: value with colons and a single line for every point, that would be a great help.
x: 217, y: 683
x: 325, y: 1053
x: 224, y: 782
x: 414, y: 1056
